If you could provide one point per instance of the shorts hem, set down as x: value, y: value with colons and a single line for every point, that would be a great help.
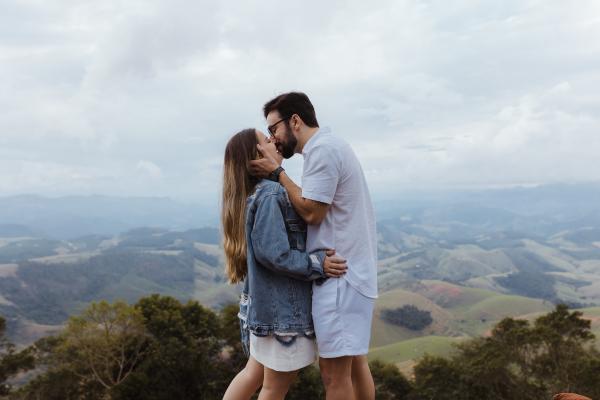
x: 346, y: 353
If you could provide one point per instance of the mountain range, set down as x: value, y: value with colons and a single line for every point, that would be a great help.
x: 467, y: 258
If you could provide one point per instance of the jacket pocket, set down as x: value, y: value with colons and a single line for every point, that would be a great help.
x: 297, y: 234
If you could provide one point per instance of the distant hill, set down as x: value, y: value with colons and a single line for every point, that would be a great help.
x: 43, y: 281
x: 16, y: 230
x: 568, y: 203
x: 533, y: 211
x: 466, y: 287
x: 457, y: 311
x: 73, y: 216
x: 469, y: 258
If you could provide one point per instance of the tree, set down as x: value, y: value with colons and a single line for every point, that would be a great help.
x: 390, y: 384
x: 308, y: 385
x: 157, y: 349
x: 105, y: 343
x: 230, y: 332
x: 162, y: 349
x: 567, y: 353
x: 184, y: 359
x: 517, y: 361
x: 11, y: 361
x: 408, y: 316
x: 60, y: 384
x: 437, y: 378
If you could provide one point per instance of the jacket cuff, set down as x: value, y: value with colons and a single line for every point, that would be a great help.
x: 317, y: 260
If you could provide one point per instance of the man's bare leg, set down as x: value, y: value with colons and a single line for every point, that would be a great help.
x: 337, y: 377
x: 362, y: 380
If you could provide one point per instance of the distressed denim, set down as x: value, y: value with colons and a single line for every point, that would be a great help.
x: 277, y: 295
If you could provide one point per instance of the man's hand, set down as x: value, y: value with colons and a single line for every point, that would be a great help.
x: 261, y: 168
x: 333, y: 266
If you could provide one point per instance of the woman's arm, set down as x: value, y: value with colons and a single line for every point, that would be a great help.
x: 272, y: 248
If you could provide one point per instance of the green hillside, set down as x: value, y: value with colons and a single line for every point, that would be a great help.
x: 452, y: 324
x: 467, y: 268
x: 414, y: 348
x: 384, y: 333
x: 456, y: 310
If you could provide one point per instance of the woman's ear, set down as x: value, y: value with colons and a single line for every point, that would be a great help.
x: 258, y: 154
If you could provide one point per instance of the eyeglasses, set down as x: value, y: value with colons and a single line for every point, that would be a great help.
x: 271, y: 128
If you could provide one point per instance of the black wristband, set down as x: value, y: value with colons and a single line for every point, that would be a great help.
x: 274, y: 176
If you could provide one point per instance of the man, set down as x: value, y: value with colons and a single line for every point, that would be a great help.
x: 334, y: 200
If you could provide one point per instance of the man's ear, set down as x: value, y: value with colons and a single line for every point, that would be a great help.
x: 297, y: 120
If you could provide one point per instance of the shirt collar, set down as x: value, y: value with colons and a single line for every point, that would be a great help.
x: 313, y: 140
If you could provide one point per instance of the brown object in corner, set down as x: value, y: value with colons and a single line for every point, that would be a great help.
x: 569, y: 396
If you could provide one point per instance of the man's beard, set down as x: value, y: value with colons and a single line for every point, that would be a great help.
x: 288, y: 148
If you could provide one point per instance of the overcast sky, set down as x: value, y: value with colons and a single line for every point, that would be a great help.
x: 139, y: 97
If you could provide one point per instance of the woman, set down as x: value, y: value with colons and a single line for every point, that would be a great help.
x: 264, y: 243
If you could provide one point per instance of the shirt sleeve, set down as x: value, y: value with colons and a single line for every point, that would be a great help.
x: 320, y: 175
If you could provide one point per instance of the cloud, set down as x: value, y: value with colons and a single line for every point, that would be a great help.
x: 429, y: 94
x: 149, y: 169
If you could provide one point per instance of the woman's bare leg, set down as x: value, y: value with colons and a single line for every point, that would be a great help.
x: 246, y: 382
x: 276, y: 384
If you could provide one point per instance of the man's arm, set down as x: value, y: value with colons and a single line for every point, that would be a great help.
x: 311, y: 211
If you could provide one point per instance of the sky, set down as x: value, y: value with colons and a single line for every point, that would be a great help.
x: 138, y: 98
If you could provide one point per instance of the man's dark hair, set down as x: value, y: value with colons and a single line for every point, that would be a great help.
x: 288, y: 104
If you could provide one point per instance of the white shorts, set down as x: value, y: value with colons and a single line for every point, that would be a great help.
x: 279, y: 357
x: 342, y: 318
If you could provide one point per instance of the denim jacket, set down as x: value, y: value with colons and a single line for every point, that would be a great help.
x: 277, y: 295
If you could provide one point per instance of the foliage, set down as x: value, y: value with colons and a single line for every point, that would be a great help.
x: 60, y: 384
x: 230, y: 332
x: 308, y: 385
x: 532, y: 278
x: 437, y: 378
x: 530, y: 283
x: 46, y: 295
x: 104, y: 344
x: 184, y: 359
x: 157, y: 349
x: 517, y: 361
x: 165, y: 349
x: 12, y: 361
x: 408, y: 316
x: 29, y: 248
x: 390, y: 384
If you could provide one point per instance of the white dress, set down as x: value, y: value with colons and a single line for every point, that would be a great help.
x: 277, y: 356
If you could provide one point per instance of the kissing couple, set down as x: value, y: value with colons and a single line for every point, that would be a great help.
x: 307, y: 256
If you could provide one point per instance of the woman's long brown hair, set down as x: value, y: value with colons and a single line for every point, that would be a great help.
x: 238, y: 184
